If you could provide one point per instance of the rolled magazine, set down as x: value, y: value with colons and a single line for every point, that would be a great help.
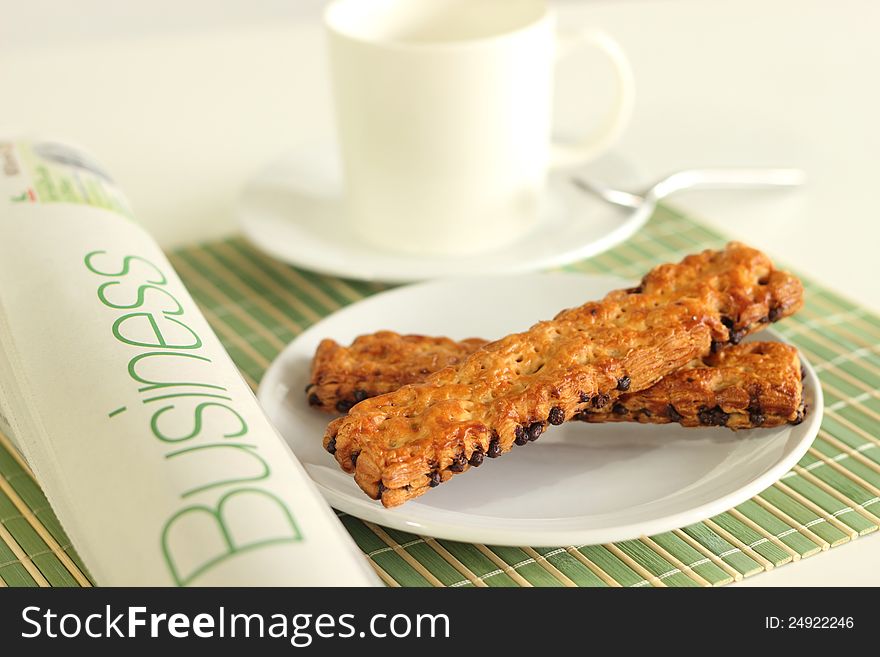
x: 151, y: 448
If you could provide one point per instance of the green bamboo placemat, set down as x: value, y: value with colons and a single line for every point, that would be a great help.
x: 258, y: 305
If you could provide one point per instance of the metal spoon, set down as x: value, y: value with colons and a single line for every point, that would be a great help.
x: 696, y: 179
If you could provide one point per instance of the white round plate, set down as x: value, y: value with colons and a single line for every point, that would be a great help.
x: 578, y: 484
x: 293, y: 211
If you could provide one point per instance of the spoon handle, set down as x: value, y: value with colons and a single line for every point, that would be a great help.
x: 727, y: 178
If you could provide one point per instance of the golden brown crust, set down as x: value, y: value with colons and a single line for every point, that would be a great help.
x: 378, y: 363
x: 754, y: 384
x: 401, y: 443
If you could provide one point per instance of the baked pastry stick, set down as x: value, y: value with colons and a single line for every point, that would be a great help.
x: 750, y: 385
x: 754, y: 384
x: 378, y: 363
x: 400, y: 444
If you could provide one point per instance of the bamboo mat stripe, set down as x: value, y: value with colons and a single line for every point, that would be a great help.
x: 257, y: 305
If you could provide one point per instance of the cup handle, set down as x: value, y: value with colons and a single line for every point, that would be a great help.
x: 587, y: 148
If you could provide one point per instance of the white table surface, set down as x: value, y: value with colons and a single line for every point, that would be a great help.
x: 183, y: 105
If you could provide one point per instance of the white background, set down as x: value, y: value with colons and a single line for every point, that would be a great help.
x: 183, y: 101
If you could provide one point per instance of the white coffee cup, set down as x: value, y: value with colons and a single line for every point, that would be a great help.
x: 444, y: 118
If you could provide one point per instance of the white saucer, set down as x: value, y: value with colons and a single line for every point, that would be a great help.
x: 578, y: 484
x: 293, y: 211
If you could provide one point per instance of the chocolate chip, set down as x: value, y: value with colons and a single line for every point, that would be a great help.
x: 716, y: 346
x: 737, y: 336
x: 801, y: 414
x: 585, y: 397
x: 535, y: 430
x: 458, y: 463
x: 556, y: 416
x: 344, y: 405
x: 520, y: 435
x: 382, y: 488
x: 331, y: 445
x: 775, y: 313
x: 494, y: 450
x: 476, y: 459
x: 756, y: 417
x: 673, y: 414
x: 600, y: 400
x: 435, y: 479
x: 360, y: 395
x: 803, y: 371
x: 634, y: 290
x: 594, y: 311
x: 619, y: 409
x: 646, y: 412
x: 314, y: 400
x: 354, y: 458
x: 764, y: 281
x: 623, y: 383
x: 309, y: 387
x: 728, y: 322
x: 713, y: 417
